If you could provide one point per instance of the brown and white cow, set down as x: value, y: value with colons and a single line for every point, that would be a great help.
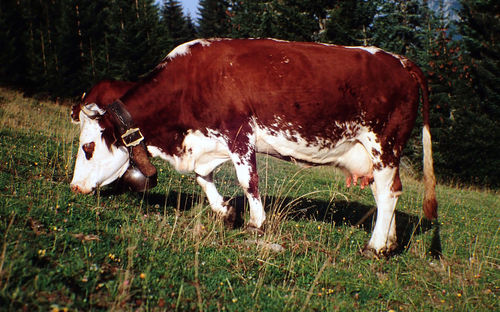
x: 218, y: 100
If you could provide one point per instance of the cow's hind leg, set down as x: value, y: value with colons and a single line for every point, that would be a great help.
x: 216, y: 201
x: 386, y: 190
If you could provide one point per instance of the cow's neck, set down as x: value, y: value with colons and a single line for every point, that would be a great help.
x: 157, y: 115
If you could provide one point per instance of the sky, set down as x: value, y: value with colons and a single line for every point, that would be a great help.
x: 190, y: 7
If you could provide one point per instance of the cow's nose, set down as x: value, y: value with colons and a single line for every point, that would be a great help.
x: 79, y: 189
x: 75, y: 189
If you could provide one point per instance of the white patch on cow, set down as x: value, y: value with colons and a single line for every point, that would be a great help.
x: 357, y: 161
x: 372, y: 50
x: 183, y: 49
x: 199, y: 153
x: 214, y: 198
x: 384, y: 233
x: 92, y: 109
x: 157, y: 152
x: 347, y: 153
x: 257, y: 213
x: 105, y: 165
x: 275, y: 40
x: 371, y: 143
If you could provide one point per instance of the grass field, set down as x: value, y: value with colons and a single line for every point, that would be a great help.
x: 165, y: 251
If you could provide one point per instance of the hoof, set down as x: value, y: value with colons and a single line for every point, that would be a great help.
x: 371, y: 253
x: 230, y: 218
x: 254, y: 230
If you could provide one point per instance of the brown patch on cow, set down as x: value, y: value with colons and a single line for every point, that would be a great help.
x: 396, y: 186
x: 106, y: 92
x: 88, y: 149
x: 253, y: 187
x: 140, y: 157
x: 110, y: 133
x: 75, y: 112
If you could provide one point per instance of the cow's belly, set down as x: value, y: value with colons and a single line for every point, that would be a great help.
x: 349, y: 155
x: 202, y: 154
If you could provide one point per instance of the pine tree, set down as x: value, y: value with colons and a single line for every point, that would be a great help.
x: 214, y: 18
x: 349, y: 22
x: 295, y: 20
x: 480, y: 28
x: 477, y: 119
x: 133, y: 39
x: 70, y: 77
x: 191, y: 30
x: 282, y: 19
x: 14, y: 39
x: 177, y: 28
x: 398, y: 26
x: 247, y: 19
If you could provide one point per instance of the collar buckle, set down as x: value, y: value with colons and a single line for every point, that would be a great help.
x: 132, y: 137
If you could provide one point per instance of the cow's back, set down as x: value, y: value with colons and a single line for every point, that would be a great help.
x: 298, y: 82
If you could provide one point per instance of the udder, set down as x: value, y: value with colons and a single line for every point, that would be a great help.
x: 357, y: 165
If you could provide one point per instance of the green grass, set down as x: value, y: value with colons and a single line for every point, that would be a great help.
x: 165, y: 250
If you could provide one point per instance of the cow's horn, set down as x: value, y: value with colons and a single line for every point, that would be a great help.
x: 92, y: 110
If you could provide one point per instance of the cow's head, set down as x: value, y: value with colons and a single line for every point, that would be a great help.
x: 102, y: 156
x: 99, y: 160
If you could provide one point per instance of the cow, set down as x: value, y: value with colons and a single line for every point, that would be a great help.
x: 216, y: 100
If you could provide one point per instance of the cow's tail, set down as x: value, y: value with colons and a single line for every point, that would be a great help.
x: 430, y: 203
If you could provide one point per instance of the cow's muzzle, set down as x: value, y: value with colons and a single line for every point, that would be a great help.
x: 75, y: 188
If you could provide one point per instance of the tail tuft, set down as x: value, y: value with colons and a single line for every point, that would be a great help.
x: 430, y: 202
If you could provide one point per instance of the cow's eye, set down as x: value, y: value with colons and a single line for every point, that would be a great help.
x: 88, y: 149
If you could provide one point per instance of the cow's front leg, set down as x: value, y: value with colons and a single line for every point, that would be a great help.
x: 246, y: 171
x: 216, y: 201
x: 386, y: 190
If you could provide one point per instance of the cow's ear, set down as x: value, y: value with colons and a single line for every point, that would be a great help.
x: 75, y: 113
x: 92, y: 110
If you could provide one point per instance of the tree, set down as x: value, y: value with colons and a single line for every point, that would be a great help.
x: 177, y: 28
x: 70, y: 78
x: 282, y: 19
x: 398, y: 26
x: 214, y: 19
x: 191, y: 30
x: 477, y: 125
x: 133, y: 39
x: 349, y: 22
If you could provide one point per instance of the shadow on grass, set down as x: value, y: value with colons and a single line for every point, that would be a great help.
x: 339, y: 211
